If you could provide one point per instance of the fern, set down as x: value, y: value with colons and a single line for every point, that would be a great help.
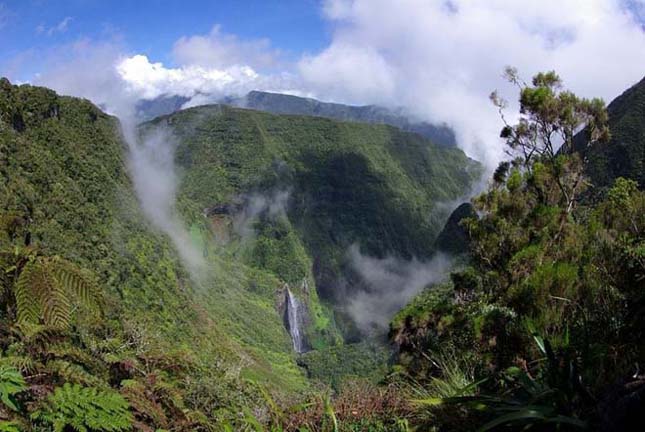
x: 23, y: 363
x: 143, y: 403
x: 25, y: 291
x: 9, y: 426
x: 73, y: 373
x: 76, y: 281
x: 11, y: 383
x: 85, y: 409
x: 45, y: 288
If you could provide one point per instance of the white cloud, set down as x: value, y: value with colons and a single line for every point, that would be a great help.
x: 391, y: 284
x: 61, y: 27
x: 441, y: 59
x: 220, y: 50
x: 438, y: 59
x: 150, y: 80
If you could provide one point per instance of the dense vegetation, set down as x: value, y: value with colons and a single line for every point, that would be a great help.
x: 103, y: 328
x: 624, y: 155
x: 289, y: 104
x: 540, y: 325
x: 332, y: 184
x: 544, y: 325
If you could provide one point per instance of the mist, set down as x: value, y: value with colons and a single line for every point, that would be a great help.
x: 152, y: 168
x: 90, y: 73
x: 391, y: 284
x: 273, y: 203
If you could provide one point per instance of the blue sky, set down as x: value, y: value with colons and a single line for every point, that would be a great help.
x: 151, y: 27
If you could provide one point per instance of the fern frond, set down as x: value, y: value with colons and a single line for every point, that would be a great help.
x: 145, y: 407
x: 85, y: 409
x: 38, y: 338
x: 11, y: 383
x: 77, y: 282
x: 26, y: 293
x: 74, y: 373
x: 22, y: 363
x: 67, y: 351
x: 55, y: 303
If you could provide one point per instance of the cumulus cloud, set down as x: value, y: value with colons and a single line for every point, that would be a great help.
x: 150, y: 80
x: 441, y: 59
x: 220, y: 50
x: 209, y: 67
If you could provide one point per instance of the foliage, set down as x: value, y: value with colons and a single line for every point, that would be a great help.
x: 625, y: 155
x: 336, y: 364
x: 84, y: 409
x: 11, y: 383
x: 44, y: 290
x: 348, y: 183
x: 544, y: 266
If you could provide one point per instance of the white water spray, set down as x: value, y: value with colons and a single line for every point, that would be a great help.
x: 293, y: 319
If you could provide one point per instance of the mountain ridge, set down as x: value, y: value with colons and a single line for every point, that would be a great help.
x: 279, y: 103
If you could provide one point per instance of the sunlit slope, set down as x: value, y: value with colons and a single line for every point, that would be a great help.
x: 64, y: 167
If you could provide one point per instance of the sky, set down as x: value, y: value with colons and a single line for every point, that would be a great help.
x: 438, y: 59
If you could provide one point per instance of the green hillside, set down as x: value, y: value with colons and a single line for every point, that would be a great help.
x: 64, y: 180
x: 347, y: 183
x: 624, y: 154
x: 119, y: 314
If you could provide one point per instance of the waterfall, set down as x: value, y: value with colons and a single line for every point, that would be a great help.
x: 293, y: 320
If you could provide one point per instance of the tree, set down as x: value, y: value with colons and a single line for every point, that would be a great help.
x: 549, y: 119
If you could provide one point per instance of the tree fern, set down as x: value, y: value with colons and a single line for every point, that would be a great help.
x: 84, y: 409
x: 45, y: 288
x: 25, y: 291
x: 11, y: 383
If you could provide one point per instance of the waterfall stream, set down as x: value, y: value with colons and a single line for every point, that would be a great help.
x: 293, y: 319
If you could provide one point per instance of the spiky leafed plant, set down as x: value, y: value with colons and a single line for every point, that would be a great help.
x: 39, y: 289
x: 45, y: 288
x: 11, y: 383
x: 84, y: 409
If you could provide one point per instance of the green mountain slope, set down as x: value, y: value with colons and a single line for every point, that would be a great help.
x: 270, y: 200
x: 346, y: 183
x: 288, y: 104
x: 624, y: 155
x: 64, y: 174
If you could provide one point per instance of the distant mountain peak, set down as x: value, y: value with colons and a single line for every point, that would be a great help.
x: 280, y: 103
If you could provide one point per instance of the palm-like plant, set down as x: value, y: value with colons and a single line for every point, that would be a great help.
x: 40, y: 289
